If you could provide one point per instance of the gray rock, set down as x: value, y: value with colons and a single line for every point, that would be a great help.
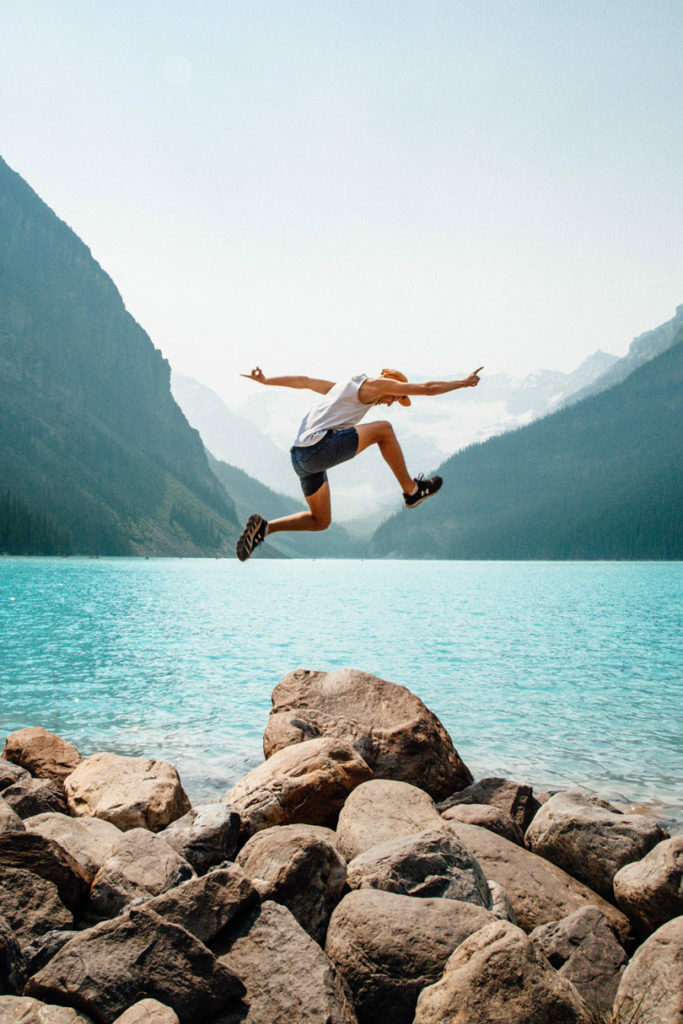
x: 388, y: 947
x: 651, y: 989
x: 590, y: 839
x: 582, y: 947
x: 289, y: 980
x: 105, y: 970
x: 43, y: 754
x: 501, y: 907
x: 31, y: 904
x: 130, y: 792
x: 29, y: 796
x: 9, y: 819
x: 433, y: 863
x: 388, y: 725
x: 47, y: 859
x: 381, y: 810
x: 148, y: 1011
x: 207, y: 835
x: 88, y: 840
x: 42, y: 949
x: 205, y: 906
x: 24, y: 1010
x: 650, y: 891
x: 10, y: 773
x: 539, y: 891
x: 307, y: 783
x: 13, y: 966
x: 486, y: 816
x: 140, y: 865
x: 515, y: 798
x: 300, y: 867
x: 496, y: 975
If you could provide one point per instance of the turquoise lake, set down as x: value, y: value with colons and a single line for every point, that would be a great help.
x: 560, y: 674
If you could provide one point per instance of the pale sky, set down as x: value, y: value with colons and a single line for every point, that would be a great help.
x: 340, y: 185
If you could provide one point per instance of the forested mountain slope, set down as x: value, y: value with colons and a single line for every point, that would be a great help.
x: 95, y: 455
x: 600, y: 479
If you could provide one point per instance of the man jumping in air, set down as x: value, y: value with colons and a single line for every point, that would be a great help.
x: 329, y: 435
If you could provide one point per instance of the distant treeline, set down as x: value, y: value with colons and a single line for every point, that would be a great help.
x: 23, y: 532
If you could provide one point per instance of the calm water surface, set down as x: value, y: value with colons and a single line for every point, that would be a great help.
x: 559, y: 674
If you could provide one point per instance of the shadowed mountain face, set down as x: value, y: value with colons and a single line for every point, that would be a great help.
x: 600, y: 479
x: 92, y: 445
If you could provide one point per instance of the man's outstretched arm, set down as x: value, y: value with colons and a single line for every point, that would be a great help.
x: 311, y: 383
x: 381, y: 387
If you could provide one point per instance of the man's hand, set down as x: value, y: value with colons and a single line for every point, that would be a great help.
x: 256, y: 374
x: 473, y: 379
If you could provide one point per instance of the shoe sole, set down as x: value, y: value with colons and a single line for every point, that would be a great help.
x: 414, y: 504
x: 245, y: 544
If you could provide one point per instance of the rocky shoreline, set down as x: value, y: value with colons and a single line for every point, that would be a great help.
x: 360, y: 875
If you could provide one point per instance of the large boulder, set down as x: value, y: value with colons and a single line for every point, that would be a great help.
x: 300, y: 867
x: 13, y: 964
x: 130, y: 792
x: 590, y: 838
x: 31, y: 904
x: 288, y: 978
x: 539, y: 891
x: 651, y: 989
x: 207, y: 835
x: 433, y: 863
x: 140, y: 865
x: 496, y: 977
x: 41, y: 753
x: 515, y: 798
x: 381, y: 810
x: 9, y: 819
x: 29, y: 796
x: 88, y: 840
x: 307, y: 783
x: 206, y: 905
x: 24, y: 1010
x: 105, y: 970
x: 583, y: 949
x: 388, y: 725
x: 486, y: 816
x: 650, y: 891
x: 388, y: 947
x: 48, y: 860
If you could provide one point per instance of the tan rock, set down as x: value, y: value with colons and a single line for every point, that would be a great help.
x: 43, y: 754
x: 130, y: 792
x: 388, y: 725
x: 650, y: 891
x: 31, y: 904
x: 9, y: 819
x: 591, y: 839
x: 651, y: 989
x: 299, y: 867
x: 88, y: 840
x: 29, y: 796
x: 148, y: 1011
x: 207, y: 835
x: 24, y: 1010
x: 307, y: 783
x: 486, y: 816
x: 381, y: 810
x: 140, y: 865
x: 288, y: 978
x: 515, y: 798
x: 388, y: 947
x: 205, y: 906
x: 45, y: 858
x: 539, y: 891
x: 496, y: 977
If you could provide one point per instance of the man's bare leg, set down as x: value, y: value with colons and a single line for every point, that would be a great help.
x: 319, y: 517
x: 382, y: 434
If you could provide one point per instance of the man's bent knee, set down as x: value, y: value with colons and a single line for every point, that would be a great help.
x: 321, y: 522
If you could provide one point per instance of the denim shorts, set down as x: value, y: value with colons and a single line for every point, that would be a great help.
x: 310, y: 462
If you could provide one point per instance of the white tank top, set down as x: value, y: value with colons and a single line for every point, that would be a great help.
x: 339, y: 408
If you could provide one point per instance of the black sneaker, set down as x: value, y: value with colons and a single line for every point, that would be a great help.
x: 252, y: 535
x: 425, y: 489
